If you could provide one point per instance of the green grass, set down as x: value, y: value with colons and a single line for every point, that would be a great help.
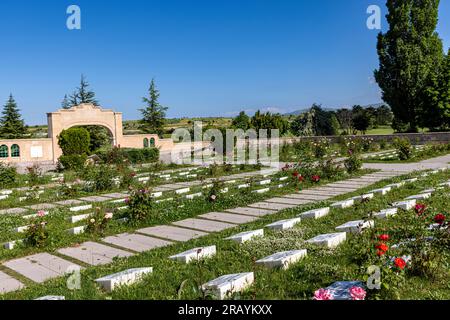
x: 319, y: 269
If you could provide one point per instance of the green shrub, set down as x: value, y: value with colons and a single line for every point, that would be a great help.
x: 140, y: 204
x: 120, y: 155
x: 8, y: 175
x: 74, y: 141
x: 404, y: 148
x: 37, y: 234
x: 72, y: 162
x: 100, y: 178
x: 353, y: 163
x: 98, y: 222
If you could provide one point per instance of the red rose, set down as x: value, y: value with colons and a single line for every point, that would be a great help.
x: 380, y: 253
x: 439, y: 218
x: 315, y: 178
x: 400, y: 263
x: 382, y: 247
x: 300, y: 178
x: 384, y: 237
x: 295, y: 174
x: 420, y: 208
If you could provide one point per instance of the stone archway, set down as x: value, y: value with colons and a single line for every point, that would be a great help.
x: 82, y: 115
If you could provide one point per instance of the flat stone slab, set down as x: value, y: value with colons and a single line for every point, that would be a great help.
x: 405, y: 205
x: 343, y: 204
x: 42, y: 206
x: 70, y: 202
x: 282, y: 259
x: 51, y: 298
x: 341, y: 290
x: 226, y: 285
x: 422, y: 196
x: 366, y: 196
x: 115, y: 195
x: 94, y: 253
x: 78, y: 218
x: 13, y: 211
x: 195, y: 254
x: 296, y: 202
x: 9, y: 284
x: 252, y: 211
x: 41, y: 267
x: 124, y: 278
x: 136, y: 242
x: 284, y: 224
x: 204, y: 225
x: 95, y: 199
x: 306, y: 197
x: 385, y: 213
x: 272, y: 206
x: 355, y: 226
x: 246, y: 236
x: 315, y: 213
x: 228, y: 217
x: 329, y: 240
x: 381, y: 191
x: 172, y: 233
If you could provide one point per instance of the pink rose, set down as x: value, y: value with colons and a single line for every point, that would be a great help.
x: 108, y: 215
x: 323, y: 294
x: 357, y: 293
x: 41, y: 213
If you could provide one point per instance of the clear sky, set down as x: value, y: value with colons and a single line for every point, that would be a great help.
x: 209, y: 57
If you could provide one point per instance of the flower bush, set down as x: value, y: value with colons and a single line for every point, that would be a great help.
x: 353, y: 163
x: 404, y: 148
x: 140, y: 204
x: 98, y: 222
x: 37, y: 235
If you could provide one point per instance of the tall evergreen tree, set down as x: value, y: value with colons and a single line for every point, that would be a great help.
x: 154, y: 113
x: 83, y: 94
x: 11, y: 123
x: 410, y: 53
x: 65, y: 104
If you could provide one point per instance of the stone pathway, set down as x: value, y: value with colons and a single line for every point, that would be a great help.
x: 45, y: 266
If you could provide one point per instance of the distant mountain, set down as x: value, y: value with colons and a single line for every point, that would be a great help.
x: 300, y: 111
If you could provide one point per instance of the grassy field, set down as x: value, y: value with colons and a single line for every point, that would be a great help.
x: 319, y: 269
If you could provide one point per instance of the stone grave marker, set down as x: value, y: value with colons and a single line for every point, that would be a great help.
x: 246, y: 236
x: 124, y: 278
x: 355, y: 226
x: 195, y: 254
x: 282, y: 259
x: 315, y: 213
x: 284, y: 224
x: 330, y: 240
x: 226, y: 285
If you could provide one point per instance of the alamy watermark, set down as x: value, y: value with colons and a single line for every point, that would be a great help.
x: 374, y: 20
x: 73, y: 22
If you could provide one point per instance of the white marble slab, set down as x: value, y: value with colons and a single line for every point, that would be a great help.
x: 227, y: 285
x: 422, y: 196
x: 284, y: 224
x: 385, y: 213
x: 81, y: 208
x: 315, y: 213
x: 124, y: 278
x: 405, y: 205
x: 356, y: 226
x: 195, y: 254
x: 330, y: 240
x: 246, y: 236
x: 78, y: 218
x: 366, y: 196
x: 192, y: 196
x: 282, y: 259
x: 382, y: 191
x: 343, y: 204
x: 262, y: 190
x: 77, y: 230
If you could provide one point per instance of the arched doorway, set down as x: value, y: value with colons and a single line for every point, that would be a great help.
x: 100, y: 136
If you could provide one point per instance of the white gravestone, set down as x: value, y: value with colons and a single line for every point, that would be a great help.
x: 405, y: 205
x: 127, y: 277
x: 316, y: 213
x: 282, y: 259
x: 195, y: 254
x: 355, y: 226
x: 246, y: 236
x: 330, y: 240
x: 284, y: 224
x: 422, y: 196
x: 385, y: 213
x: 225, y: 286
x: 343, y: 204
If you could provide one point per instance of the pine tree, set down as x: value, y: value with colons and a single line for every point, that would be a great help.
x: 65, y: 104
x: 82, y: 94
x: 11, y: 124
x: 410, y: 53
x: 154, y: 113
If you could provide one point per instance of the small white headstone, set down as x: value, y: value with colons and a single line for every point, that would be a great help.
x: 81, y: 217
x: 315, y: 213
x: 156, y: 194
x: 226, y: 285
x: 181, y: 191
x: 21, y: 229
x: 192, y: 196
x: 81, y: 208
x: 127, y: 277
x: 284, y: 224
x: 330, y: 240
x: 405, y: 205
x: 246, y: 236
x: 53, y: 298
x: 262, y: 190
x: 283, y: 178
x: 355, y: 226
x: 282, y: 259
x: 386, y: 213
x: 382, y: 191
x: 242, y: 186
x: 364, y: 197
x: 195, y: 254
x: 77, y: 230
x: 35, y: 215
x: 343, y: 204
x: 422, y: 196
x: 264, y: 182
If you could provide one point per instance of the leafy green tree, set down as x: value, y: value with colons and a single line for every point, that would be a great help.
x: 323, y: 122
x: 154, y: 113
x: 437, y: 115
x: 302, y: 125
x: 242, y: 121
x: 268, y: 121
x: 345, y: 118
x: 383, y: 115
x: 83, y: 94
x: 361, y: 119
x: 65, y: 103
x: 74, y: 141
x: 12, y: 125
x: 410, y: 53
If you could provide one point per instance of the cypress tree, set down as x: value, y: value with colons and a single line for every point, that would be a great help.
x: 410, y: 54
x: 154, y: 113
x: 11, y: 123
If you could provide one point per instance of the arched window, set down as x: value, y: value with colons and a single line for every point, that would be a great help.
x: 152, y: 142
x: 4, y: 151
x: 15, y: 151
x: 145, y: 143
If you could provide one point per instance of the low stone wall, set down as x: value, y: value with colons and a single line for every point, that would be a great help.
x: 415, y: 138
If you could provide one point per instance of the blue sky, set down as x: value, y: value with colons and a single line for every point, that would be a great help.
x: 209, y: 57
